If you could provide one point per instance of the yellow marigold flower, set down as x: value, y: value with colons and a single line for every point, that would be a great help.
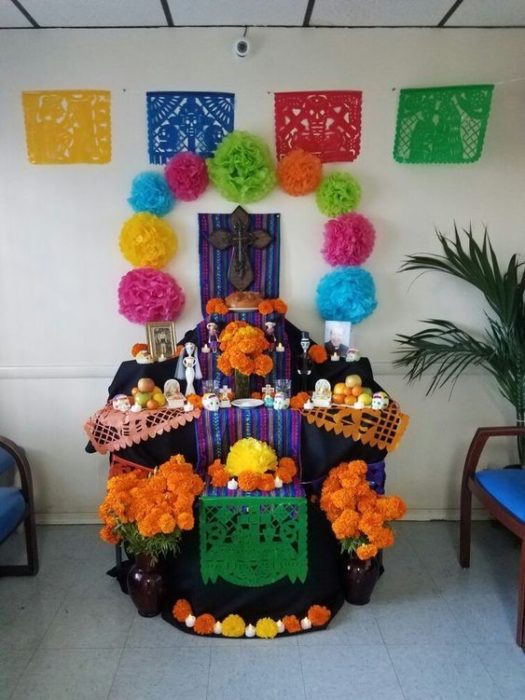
x: 266, y: 628
x: 233, y: 626
x: 366, y: 551
x: 251, y: 455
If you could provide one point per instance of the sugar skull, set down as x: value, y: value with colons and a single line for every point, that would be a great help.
x: 210, y: 402
x: 121, y: 402
x: 377, y: 402
x: 353, y: 355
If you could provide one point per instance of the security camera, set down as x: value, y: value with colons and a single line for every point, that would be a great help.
x: 241, y: 48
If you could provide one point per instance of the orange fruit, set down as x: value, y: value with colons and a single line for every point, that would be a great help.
x: 356, y: 390
x: 340, y: 388
x: 152, y: 404
x: 134, y: 390
x: 350, y: 400
x: 338, y: 398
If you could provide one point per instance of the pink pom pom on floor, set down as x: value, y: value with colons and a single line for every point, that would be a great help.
x: 187, y: 176
x: 147, y: 295
x: 348, y: 239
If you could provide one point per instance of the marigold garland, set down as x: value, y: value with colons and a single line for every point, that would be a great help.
x: 299, y: 172
x: 318, y: 354
x: 234, y: 626
x: 147, y: 241
x: 357, y: 513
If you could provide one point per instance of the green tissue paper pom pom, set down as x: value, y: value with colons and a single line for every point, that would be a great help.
x: 337, y: 194
x: 242, y: 168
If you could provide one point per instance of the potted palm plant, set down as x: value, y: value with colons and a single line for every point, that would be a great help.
x: 446, y: 349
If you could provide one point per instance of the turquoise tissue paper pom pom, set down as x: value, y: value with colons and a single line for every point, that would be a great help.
x: 150, y: 192
x: 346, y: 294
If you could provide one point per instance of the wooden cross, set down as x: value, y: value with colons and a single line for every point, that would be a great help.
x: 240, y: 272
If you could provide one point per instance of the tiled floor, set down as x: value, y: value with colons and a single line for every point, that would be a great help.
x: 431, y: 632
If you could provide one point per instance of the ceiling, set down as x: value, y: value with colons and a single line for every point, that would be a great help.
x: 48, y: 14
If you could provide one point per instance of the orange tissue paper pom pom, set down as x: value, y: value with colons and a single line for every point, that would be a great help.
x: 318, y: 354
x: 366, y: 551
x: 291, y: 624
x: 181, y: 610
x: 138, y: 347
x: 299, y: 172
x: 248, y: 481
x: 265, y: 307
x: 319, y: 615
x: 204, y: 624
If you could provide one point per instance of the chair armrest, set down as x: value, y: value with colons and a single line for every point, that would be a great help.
x: 478, y: 443
x: 21, y: 463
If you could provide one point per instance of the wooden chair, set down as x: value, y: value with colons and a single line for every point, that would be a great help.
x: 502, y: 492
x: 17, y: 507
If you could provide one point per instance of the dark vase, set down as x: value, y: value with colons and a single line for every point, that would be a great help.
x: 242, y: 385
x: 146, y: 586
x: 359, y: 577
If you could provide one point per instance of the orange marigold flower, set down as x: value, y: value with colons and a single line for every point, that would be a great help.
x: 370, y: 521
x: 256, y: 395
x: 195, y: 400
x: 265, y: 307
x: 107, y: 534
x: 346, y: 525
x: 224, y: 365
x: 291, y: 624
x: 204, y: 624
x: 382, y: 537
x: 185, y: 521
x: 138, y: 347
x: 318, y: 354
x: 392, y: 507
x: 181, y: 610
x: 167, y: 523
x: 215, y: 466
x: 248, y: 481
x: 284, y: 474
x: 366, y: 551
x: 343, y: 498
x: 297, y: 402
x: 279, y: 306
x: 263, y: 365
x: 318, y: 615
x: 267, y: 482
x: 216, y: 306
x: 220, y: 478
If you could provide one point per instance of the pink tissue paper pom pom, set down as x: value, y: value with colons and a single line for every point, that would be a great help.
x: 348, y: 239
x: 147, y: 295
x: 187, y: 176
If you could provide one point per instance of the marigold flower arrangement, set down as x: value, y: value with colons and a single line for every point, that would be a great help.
x: 216, y: 305
x: 357, y: 513
x: 149, y: 512
x: 234, y: 626
x: 268, y: 306
x: 242, y: 348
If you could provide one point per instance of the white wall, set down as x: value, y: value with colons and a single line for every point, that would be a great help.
x: 62, y: 337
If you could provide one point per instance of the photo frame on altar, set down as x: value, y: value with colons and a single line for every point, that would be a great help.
x: 337, y: 336
x: 162, y: 339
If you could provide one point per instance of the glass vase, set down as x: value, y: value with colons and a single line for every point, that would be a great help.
x: 241, y: 384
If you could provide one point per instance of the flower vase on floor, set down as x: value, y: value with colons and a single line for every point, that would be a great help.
x: 146, y: 586
x: 242, y: 385
x: 359, y: 577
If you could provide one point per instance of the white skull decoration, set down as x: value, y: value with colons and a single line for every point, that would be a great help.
x: 377, y: 402
x: 353, y: 355
x: 210, y: 402
x: 121, y: 402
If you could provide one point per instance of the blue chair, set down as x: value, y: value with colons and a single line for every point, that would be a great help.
x: 502, y: 492
x: 17, y: 507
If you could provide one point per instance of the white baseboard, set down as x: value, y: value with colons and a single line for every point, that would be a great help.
x: 415, y: 514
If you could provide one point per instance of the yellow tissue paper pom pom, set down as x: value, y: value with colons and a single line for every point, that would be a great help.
x: 266, y: 628
x: 251, y: 455
x: 147, y: 241
x: 233, y: 626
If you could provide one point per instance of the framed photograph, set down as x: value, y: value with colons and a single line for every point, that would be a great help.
x: 337, y: 337
x: 162, y: 339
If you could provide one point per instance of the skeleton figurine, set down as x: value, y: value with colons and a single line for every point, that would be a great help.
x: 213, y: 336
x: 270, y: 334
x: 188, y: 367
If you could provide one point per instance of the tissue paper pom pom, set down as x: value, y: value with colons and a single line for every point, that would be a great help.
x: 147, y: 241
x: 149, y: 192
x: 147, y: 295
x: 241, y: 168
x: 337, y: 194
x: 348, y: 240
x: 346, y: 294
x: 187, y: 176
x: 299, y: 172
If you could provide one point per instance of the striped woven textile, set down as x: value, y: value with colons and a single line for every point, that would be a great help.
x: 214, y: 263
x: 216, y: 431
x: 293, y: 490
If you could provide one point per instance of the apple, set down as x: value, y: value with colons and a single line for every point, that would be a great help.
x: 146, y: 385
x: 353, y: 380
x: 365, y: 399
x: 366, y: 390
x: 152, y: 404
x: 142, y: 398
